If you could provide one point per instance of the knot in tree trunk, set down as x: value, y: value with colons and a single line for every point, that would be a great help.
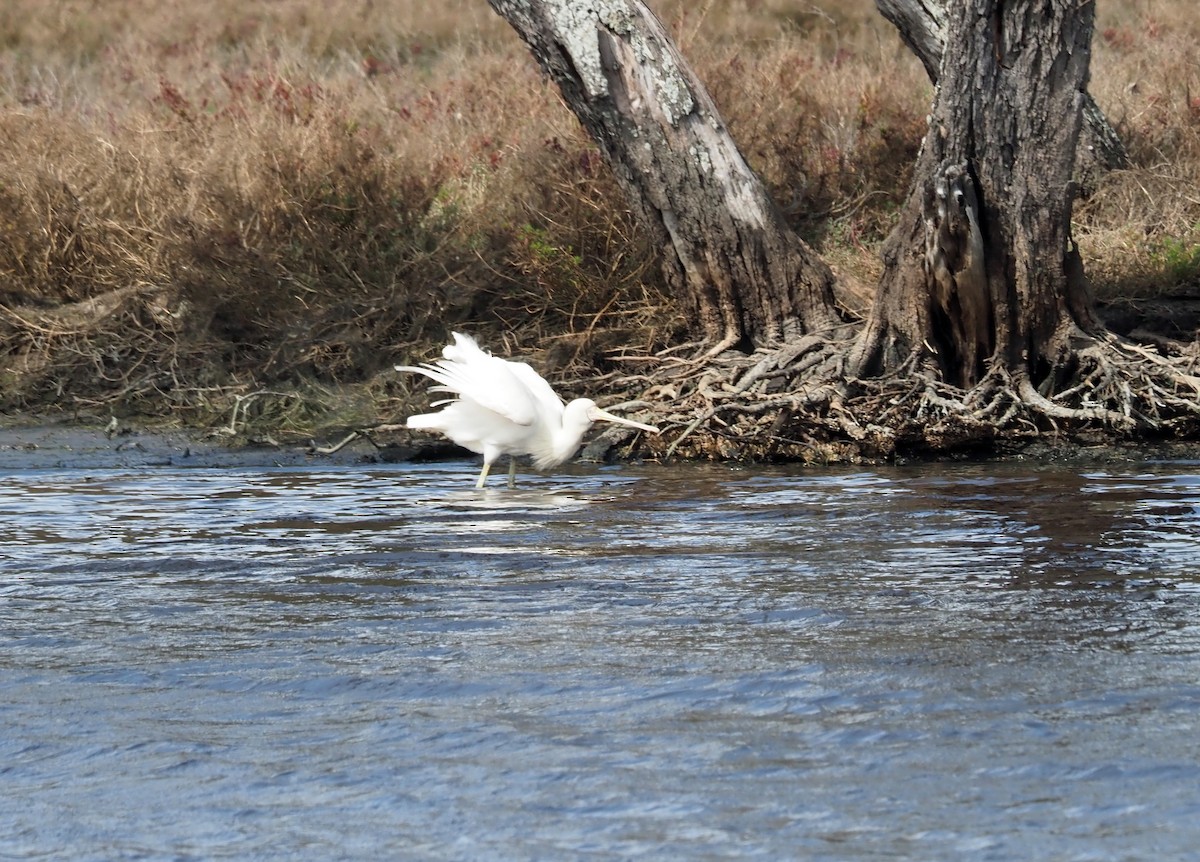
x: 955, y: 274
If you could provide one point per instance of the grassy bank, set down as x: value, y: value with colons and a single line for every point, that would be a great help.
x: 265, y: 205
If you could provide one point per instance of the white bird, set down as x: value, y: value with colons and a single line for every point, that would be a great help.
x: 505, y: 408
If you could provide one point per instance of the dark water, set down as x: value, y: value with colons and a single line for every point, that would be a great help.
x: 705, y: 663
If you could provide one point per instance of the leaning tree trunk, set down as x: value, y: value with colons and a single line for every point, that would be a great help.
x: 922, y: 26
x: 750, y: 279
x: 981, y: 273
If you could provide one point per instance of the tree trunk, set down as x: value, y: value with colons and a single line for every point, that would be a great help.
x: 922, y: 26
x: 982, y: 328
x: 749, y: 278
x: 982, y: 267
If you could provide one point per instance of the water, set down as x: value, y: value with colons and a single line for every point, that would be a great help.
x: 946, y: 662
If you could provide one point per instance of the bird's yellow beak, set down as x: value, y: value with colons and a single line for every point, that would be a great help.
x: 598, y: 415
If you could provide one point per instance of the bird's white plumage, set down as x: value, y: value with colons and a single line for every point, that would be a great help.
x: 504, y: 408
x: 471, y: 373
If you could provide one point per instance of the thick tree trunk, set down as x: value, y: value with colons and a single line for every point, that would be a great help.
x: 750, y: 280
x: 982, y: 328
x: 922, y: 26
x: 982, y: 267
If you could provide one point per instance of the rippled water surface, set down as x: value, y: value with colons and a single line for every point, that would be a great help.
x: 974, y: 662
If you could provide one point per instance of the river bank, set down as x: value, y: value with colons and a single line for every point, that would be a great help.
x: 40, y: 444
x: 60, y: 445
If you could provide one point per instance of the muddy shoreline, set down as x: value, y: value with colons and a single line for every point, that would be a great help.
x: 59, y: 445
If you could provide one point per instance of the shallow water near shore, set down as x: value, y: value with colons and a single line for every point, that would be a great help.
x: 937, y: 662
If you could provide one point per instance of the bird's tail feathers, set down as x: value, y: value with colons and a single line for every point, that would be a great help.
x: 424, y: 420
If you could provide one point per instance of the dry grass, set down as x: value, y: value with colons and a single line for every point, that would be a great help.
x: 1140, y: 232
x: 203, y: 201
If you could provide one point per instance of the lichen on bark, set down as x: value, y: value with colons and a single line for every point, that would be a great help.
x: 577, y: 26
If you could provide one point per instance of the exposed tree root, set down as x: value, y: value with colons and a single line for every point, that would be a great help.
x: 790, y: 403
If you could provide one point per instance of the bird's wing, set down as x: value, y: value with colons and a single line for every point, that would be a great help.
x: 465, y: 349
x: 510, y: 389
x: 537, y: 386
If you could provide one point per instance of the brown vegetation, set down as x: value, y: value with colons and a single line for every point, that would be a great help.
x: 262, y: 207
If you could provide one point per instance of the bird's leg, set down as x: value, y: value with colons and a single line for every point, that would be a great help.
x: 483, y: 474
x: 512, y: 471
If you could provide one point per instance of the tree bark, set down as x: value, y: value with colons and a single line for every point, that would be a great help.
x: 981, y: 268
x: 749, y: 279
x: 922, y: 26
